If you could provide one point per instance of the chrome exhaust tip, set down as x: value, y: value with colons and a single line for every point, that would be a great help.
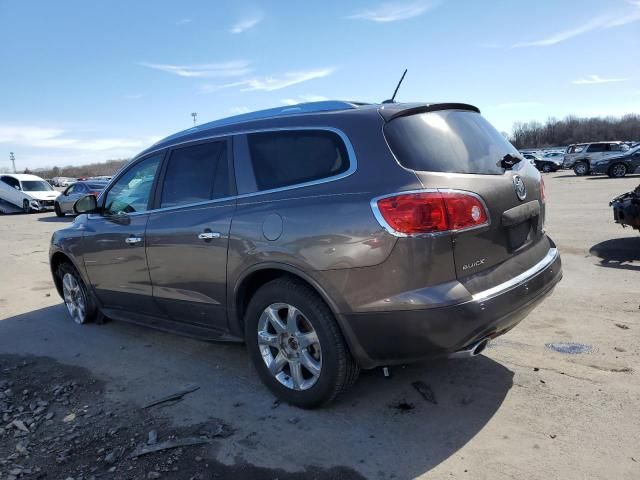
x: 472, y: 350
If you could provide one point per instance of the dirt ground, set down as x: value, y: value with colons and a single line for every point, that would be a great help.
x: 72, y: 398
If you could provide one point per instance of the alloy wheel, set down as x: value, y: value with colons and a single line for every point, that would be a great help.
x: 619, y: 170
x: 289, y: 346
x: 74, y: 298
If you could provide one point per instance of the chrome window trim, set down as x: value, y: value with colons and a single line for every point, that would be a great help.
x: 518, y: 280
x: 351, y: 154
x: 383, y: 223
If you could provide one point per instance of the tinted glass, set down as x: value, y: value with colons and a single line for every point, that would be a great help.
x: 35, y: 186
x: 281, y: 159
x: 448, y: 141
x: 597, y: 147
x: 132, y: 191
x: 191, y: 174
x: 96, y: 186
x: 12, y: 182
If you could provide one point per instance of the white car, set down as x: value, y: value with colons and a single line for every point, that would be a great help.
x: 27, y: 192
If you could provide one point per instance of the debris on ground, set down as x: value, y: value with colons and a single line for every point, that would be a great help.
x: 622, y: 326
x: 425, y: 390
x: 179, y: 395
x: 402, y: 406
x: 168, y: 445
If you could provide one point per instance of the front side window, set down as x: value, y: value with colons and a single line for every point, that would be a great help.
x: 35, y: 186
x: 132, y: 191
x: 281, y: 159
x: 196, y: 174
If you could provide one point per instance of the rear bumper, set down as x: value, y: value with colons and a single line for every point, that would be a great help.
x: 387, y: 338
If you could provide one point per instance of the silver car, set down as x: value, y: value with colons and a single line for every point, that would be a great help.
x: 584, y: 156
x: 64, y: 202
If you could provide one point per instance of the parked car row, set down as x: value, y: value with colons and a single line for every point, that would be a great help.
x: 32, y: 193
x: 615, y: 159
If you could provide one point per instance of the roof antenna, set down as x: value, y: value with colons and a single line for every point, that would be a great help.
x: 392, y: 100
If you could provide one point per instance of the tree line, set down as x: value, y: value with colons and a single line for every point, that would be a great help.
x: 110, y: 167
x: 554, y: 132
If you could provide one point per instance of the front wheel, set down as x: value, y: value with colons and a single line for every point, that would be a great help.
x: 79, y: 303
x: 59, y: 212
x: 296, y: 345
x: 26, y: 208
x: 581, y: 169
x: 546, y: 168
x: 618, y: 170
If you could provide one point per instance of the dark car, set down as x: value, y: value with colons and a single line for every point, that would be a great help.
x: 65, y: 201
x: 544, y: 164
x: 328, y: 237
x: 626, y: 209
x: 619, y: 166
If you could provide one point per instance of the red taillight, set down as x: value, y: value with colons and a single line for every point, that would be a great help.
x: 431, y: 212
x: 95, y: 194
x: 542, y: 192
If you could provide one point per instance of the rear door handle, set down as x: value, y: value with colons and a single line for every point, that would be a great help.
x: 208, y: 235
x: 133, y: 240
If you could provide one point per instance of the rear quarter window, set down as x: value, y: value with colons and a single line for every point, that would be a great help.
x: 451, y: 141
x: 285, y: 158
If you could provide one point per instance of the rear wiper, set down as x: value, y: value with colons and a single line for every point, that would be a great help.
x: 508, y: 161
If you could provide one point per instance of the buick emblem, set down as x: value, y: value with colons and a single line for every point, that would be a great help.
x: 519, y: 186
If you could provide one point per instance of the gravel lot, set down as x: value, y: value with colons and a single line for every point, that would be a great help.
x: 520, y: 410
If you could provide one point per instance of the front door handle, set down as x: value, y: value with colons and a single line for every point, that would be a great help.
x: 133, y: 240
x: 208, y: 235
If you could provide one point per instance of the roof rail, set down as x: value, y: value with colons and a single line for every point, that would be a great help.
x: 309, y: 107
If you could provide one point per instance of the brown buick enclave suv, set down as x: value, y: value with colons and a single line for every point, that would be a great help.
x: 328, y: 236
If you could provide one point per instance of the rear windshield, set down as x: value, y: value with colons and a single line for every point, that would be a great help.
x: 96, y: 186
x: 451, y: 141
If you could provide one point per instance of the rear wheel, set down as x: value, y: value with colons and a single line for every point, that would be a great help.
x: 77, y: 299
x: 618, y: 170
x: 296, y: 345
x: 581, y: 169
x: 58, y: 210
x: 26, y: 208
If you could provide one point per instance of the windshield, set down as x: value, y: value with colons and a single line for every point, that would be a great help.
x: 451, y: 141
x: 35, y: 186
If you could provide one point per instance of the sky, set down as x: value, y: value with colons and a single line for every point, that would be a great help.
x: 89, y: 81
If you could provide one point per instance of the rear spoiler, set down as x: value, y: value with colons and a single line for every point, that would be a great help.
x: 390, y: 111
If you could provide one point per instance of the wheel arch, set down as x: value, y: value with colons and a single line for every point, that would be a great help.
x: 254, y: 277
x: 57, y: 259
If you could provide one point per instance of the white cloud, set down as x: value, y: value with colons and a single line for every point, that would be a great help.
x: 184, y: 21
x: 271, y: 83
x: 515, y: 105
x: 238, y: 110
x: 232, y: 68
x: 50, y: 138
x: 609, y: 20
x: 303, y: 99
x: 246, y: 23
x: 596, y: 79
x: 392, y: 12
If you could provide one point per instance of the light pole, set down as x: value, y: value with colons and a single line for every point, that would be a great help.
x: 195, y: 117
x: 12, y: 157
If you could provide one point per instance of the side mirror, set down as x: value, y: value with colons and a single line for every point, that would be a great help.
x: 87, y: 204
x: 17, y: 187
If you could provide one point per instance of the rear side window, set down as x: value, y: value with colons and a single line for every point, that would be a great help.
x: 281, y: 159
x: 576, y: 148
x: 196, y: 174
x: 597, y: 148
x: 451, y: 141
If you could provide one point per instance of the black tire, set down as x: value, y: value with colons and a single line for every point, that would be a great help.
x: 546, y: 168
x: 59, y: 212
x: 338, y: 371
x: 617, y: 170
x: 581, y: 169
x: 90, y: 310
x: 26, y: 208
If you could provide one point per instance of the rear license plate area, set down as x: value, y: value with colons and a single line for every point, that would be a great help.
x: 521, y: 234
